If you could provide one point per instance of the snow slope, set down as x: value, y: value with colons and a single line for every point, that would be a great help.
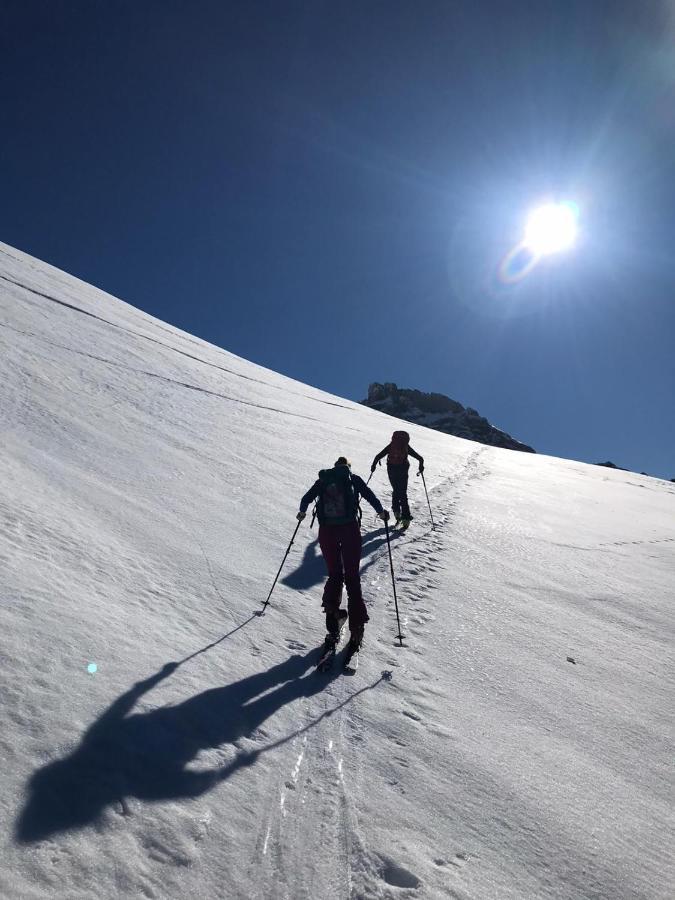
x: 149, y: 486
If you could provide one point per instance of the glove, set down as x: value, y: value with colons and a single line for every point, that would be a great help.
x: 373, y: 467
x: 300, y: 516
x: 421, y: 469
x: 384, y: 515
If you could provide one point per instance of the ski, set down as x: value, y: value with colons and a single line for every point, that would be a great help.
x: 330, y: 647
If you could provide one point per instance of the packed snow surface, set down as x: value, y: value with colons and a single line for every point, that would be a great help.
x: 161, y: 740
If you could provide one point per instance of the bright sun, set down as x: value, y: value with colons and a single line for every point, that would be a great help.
x: 551, y: 228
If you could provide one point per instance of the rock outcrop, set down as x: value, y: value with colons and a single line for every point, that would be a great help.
x: 441, y: 413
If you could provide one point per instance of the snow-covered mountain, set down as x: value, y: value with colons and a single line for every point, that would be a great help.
x: 440, y: 413
x: 160, y: 740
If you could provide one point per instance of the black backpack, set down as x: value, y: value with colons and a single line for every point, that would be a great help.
x: 338, y: 501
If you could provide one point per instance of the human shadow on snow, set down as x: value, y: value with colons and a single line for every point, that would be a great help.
x: 312, y: 569
x: 146, y: 754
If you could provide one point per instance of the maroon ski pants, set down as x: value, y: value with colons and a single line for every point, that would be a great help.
x: 341, y: 548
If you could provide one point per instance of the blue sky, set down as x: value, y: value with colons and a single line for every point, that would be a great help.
x: 328, y: 190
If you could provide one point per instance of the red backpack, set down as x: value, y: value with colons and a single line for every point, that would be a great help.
x: 398, y: 448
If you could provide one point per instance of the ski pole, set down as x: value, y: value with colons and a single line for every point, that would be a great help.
x: 393, y: 581
x: 433, y: 527
x: 288, y: 550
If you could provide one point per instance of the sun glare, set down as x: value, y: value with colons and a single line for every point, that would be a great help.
x: 551, y: 228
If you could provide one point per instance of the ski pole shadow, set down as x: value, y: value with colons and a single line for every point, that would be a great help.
x: 146, y: 754
x: 215, y: 643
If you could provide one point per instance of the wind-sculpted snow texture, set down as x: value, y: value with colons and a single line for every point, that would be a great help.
x: 517, y: 746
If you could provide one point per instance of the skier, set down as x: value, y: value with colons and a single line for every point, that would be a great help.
x: 397, y: 468
x: 337, y: 493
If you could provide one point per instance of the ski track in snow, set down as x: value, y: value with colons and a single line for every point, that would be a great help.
x: 305, y: 839
x: 310, y: 843
x: 417, y: 560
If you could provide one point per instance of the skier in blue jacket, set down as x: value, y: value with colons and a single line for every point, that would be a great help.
x: 337, y: 493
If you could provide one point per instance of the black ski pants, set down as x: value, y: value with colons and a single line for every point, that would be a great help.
x: 341, y: 549
x: 398, y: 477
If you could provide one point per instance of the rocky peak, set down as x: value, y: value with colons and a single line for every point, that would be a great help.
x: 440, y: 413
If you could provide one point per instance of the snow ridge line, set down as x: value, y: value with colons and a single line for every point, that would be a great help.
x: 147, y: 337
x: 183, y: 384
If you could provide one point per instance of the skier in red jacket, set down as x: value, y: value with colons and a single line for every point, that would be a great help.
x: 397, y: 452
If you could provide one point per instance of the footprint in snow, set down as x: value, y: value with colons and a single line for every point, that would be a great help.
x: 396, y: 875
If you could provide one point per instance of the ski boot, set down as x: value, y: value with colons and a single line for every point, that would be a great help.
x: 335, y: 623
x: 355, y: 640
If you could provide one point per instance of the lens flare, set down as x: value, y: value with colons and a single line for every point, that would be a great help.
x: 517, y: 263
x: 550, y: 228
